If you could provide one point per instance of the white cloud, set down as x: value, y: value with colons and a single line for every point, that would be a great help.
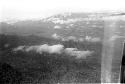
x: 56, y: 36
x: 113, y: 38
x: 69, y: 50
x: 81, y: 39
x: 88, y: 38
x: 78, y: 54
x: 96, y: 39
x: 57, y: 20
x: 50, y: 49
x: 92, y: 39
x: 114, y: 18
x: 71, y: 25
x: 75, y: 39
x: 82, y: 54
x: 57, y: 27
x: 19, y: 48
x: 31, y: 48
x: 41, y: 48
x: 72, y: 38
x: 57, y: 49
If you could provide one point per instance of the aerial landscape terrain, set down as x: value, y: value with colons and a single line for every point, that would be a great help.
x: 63, y: 48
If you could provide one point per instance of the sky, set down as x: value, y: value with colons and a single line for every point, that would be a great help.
x: 29, y: 9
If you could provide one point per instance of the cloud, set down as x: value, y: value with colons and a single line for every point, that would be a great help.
x: 94, y: 39
x: 55, y: 49
x: 20, y: 48
x: 60, y: 21
x: 71, y: 38
x: 114, y: 18
x: 57, y: 27
x: 113, y: 38
x: 88, y: 38
x: 31, y: 48
x: 78, y: 54
x: 83, y: 54
x: 56, y: 36
x: 41, y: 48
x: 75, y: 39
x: 81, y: 39
x: 50, y: 49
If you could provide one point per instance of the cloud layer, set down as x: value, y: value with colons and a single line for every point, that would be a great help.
x: 73, y: 38
x: 55, y: 49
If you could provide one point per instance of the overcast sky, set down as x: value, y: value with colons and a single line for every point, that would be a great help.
x: 26, y: 9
